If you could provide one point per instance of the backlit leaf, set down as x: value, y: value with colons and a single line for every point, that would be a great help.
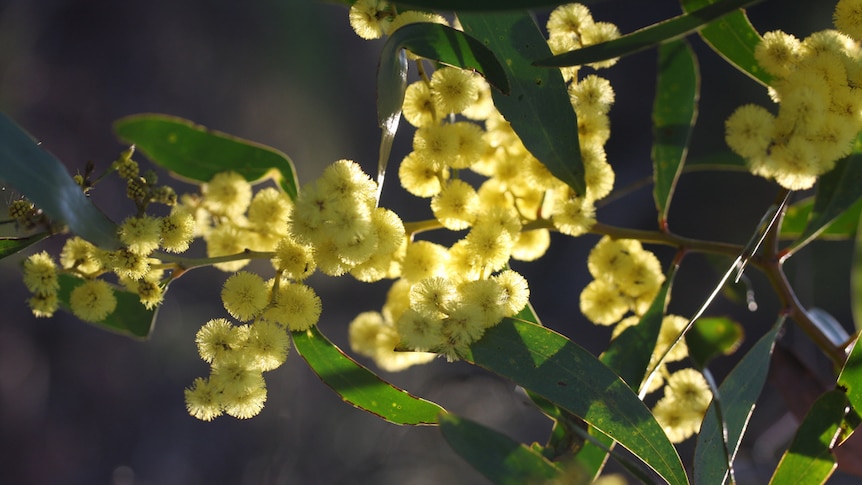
x: 131, y: 318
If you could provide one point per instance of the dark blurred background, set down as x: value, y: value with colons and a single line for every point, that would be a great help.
x: 82, y: 406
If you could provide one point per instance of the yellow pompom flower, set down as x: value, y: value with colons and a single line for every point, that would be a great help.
x: 453, y: 89
x: 296, y: 305
x: 418, y: 107
x: 491, y: 245
x: 574, y: 216
x: 268, y: 344
x: 516, y: 291
x: 433, y: 296
x: 244, y: 295
x: 203, y: 400
x: 295, y: 260
x: 592, y: 94
x: 531, y: 245
x: 224, y: 240
x: 128, y: 264
x: 177, y: 231
x: 368, y: 18
x: 560, y: 44
x: 689, y: 387
x: 246, y: 405
x: 227, y: 194
x: 397, y: 300
x: 80, y: 254
x: 643, y: 276
x: 40, y: 273
x: 671, y: 327
x: 437, y: 144
x: 602, y: 303
x: 93, y: 300
x: 422, y: 260
x: 569, y: 20
x: 456, y: 206
x: 848, y: 18
x: 345, y: 180
x: 217, y: 338
x: 421, y: 176
x: 141, y: 234
x: 612, y: 256
x: 270, y: 210
x: 483, y: 105
x: 408, y: 17
x: 778, y: 53
x: 235, y: 375
x: 485, y: 299
x: 596, y: 33
x: 593, y: 128
x: 676, y: 419
x: 598, y: 173
x: 419, y: 331
x: 362, y: 333
x: 471, y: 144
x: 44, y: 304
x: 391, y: 360
x: 749, y: 131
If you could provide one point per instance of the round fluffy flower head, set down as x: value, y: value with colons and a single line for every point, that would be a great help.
x: 244, y: 295
x: 592, y: 93
x: 246, y: 405
x: 677, y: 419
x: 43, y: 304
x: 848, y: 18
x: 750, y: 130
x: 569, y: 20
x: 483, y: 299
x: 483, y: 105
x: 516, y: 291
x: 203, y: 400
x: 689, y: 387
x: 433, y: 297
x: 643, y: 277
x: 438, y: 144
x: 453, y: 89
x: 421, y: 176
x: 141, y: 234
x: 397, y: 300
x: 294, y: 259
x: 597, y: 33
x: 296, y: 306
x: 268, y: 344
x: 368, y: 18
x: 778, y: 53
x: 269, y: 210
x: 345, y: 180
x: 224, y: 240
x: 93, y: 300
x: 424, y: 259
x: 612, y: 256
x: 128, y: 264
x: 419, y: 331
x: 575, y: 216
x: 40, y: 273
x: 418, y: 107
x: 80, y: 254
x: 531, y: 245
x: 456, y: 206
x: 603, y: 303
x: 491, y: 245
x: 671, y: 327
x: 149, y: 292
x: 217, y: 338
x: 227, y: 194
x: 471, y: 144
x: 391, y: 360
x: 177, y: 230
x: 362, y: 333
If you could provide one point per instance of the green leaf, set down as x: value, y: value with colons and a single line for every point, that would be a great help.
x: 842, y: 227
x: 733, y: 38
x: 629, y: 356
x: 131, y: 318
x: 554, y: 367
x: 198, y: 153
x: 727, y: 161
x: 836, y: 192
x: 11, y: 245
x: 647, y: 37
x: 710, y: 337
x: 498, y: 457
x: 431, y: 41
x: 538, y: 107
x: 856, y: 278
x: 359, y: 386
x: 850, y: 378
x: 737, y: 395
x: 809, y: 458
x: 674, y: 113
x: 45, y: 182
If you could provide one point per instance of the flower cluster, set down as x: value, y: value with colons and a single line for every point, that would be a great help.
x: 681, y: 410
x: 818, y: 85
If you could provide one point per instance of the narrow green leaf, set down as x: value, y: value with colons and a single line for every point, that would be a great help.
x: 629, y: 356
x: 856, y: 278
x: 501, y: 459
x: 647, y: 37
x: 554, y: 367
x: 131, y: 318
x: 809, y: 458
x: 198, y: 153
x: 431, y: 41
x: 728, y: 161
x: 674, y: 113
x: 836, y: 192
x: 733, y: 38
x: 738, y: 394
x: 850, y: 378
x: 538, y: 107
x: 11, y: 245
x: 710, y: 337
x: 359, y: 386
x: 45, y: 182
x: 842, y: 227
